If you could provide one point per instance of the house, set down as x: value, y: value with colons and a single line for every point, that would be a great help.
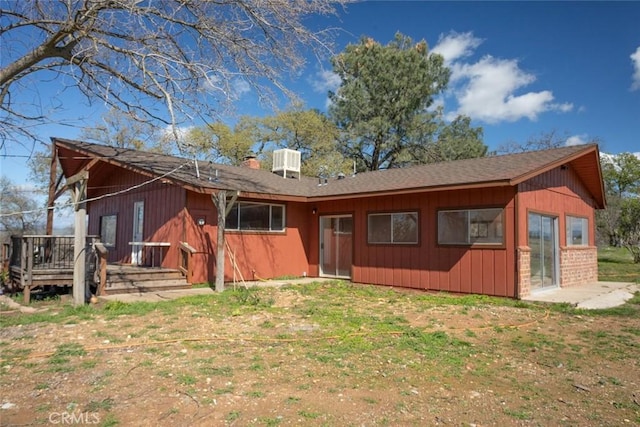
x: 503, y: 225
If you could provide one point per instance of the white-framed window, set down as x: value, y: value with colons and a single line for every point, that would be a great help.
x: 470, y: 227
x: 245, y: 216
x: 399, y: 228
x: 108, y: 225
x: 577, y: 231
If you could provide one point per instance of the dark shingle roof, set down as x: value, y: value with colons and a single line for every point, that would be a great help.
x: 486, y: 171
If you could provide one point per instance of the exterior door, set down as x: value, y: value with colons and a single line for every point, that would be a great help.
x: 336, y: 246
x: 138, y: 228
x: 543, y: 241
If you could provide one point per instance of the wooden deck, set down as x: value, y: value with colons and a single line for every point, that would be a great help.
x: 42, y: 261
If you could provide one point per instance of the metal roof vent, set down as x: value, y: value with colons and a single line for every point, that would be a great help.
x: 286, y: 161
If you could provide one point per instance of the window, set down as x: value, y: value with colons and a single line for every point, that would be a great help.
x: 470, y: 227
x: 577, y: 231
x: 255, y: 216
x: 396, y: 228
x: 108, y: 230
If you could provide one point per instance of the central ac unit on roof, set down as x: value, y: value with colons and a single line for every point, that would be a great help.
x: 286, y: 161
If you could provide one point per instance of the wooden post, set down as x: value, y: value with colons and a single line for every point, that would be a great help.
x: 29, y: 280
x: 102, y: 252
x: 220, y: 200
x: 52, y: 189
x: 80, y: 236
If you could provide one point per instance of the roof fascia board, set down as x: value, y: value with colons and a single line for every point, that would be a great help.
x: 264, y: 196
x: 502, y: 183
x: 552, y: 165
x: 603, y: 198
x: 590, y: 149
x: 115, y: 162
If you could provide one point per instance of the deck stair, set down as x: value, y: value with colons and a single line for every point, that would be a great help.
x: 123, y: 278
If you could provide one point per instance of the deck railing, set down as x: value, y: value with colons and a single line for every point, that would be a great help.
x: 42, y: 252
x: 186, y: 260
x: 47, y: 260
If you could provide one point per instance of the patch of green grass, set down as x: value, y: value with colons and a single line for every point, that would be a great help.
x: 519, y: 414
x: 118, y: 308
x: 256, y: 367
x: 256, y: 394
x: 232, y: 416
x: 616, y: 265
x: 267, y: 324
x: 89, y: 364
x: 270, y: 422
x: 224, y: 390
x: 309, y: 415
x: 186, y: 379
x: 63, y: 313
x: 70, y: 349
x: 109, y: 421
x: 11, y: 355
x: 164, y: 373
x: 221, y: 371
x: 97, y: 405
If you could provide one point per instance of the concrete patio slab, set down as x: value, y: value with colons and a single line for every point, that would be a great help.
x: 592, y: 296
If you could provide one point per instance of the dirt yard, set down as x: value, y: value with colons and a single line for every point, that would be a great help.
x: 333, y: 354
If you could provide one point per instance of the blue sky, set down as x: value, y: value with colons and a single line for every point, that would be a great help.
x: 519, y: 69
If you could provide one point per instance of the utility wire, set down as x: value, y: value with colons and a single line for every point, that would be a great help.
x: 116, y: 193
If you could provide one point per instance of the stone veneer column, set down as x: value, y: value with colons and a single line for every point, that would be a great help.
x: 524, y: 271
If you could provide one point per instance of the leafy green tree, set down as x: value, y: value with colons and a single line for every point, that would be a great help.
x: 630, y: 226
x: 621, y: 175
x: 309, y: 132
x: 437, y: 140
x: 220, y: 143
x: 383, y: 107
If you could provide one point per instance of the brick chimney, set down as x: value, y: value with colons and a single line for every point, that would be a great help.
x: 251, y: 162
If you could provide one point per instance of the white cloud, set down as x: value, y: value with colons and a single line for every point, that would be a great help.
x: 240, y: 87
x: 635, y: 58
x: 454, y: 46
x: 325, y: 81
x: 577, y: 140
x: 487, y: 90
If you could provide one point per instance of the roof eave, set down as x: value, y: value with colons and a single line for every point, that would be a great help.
x: 591, y: 148
x: 430, y: 189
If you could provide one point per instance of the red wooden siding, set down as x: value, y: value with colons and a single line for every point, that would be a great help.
x: 558, y: 192
x: 258, y: 255
x: 427, y: 265
x: 163, y: 204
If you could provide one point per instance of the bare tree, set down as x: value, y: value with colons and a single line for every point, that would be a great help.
x: 162, y: 62
x: 19, y: 211
x: 543, y: 141
x: 120, y: 129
